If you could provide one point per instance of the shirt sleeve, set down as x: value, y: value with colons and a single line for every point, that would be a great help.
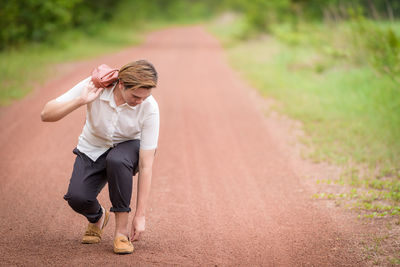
x: 74, y: 91
x: 150, y: 129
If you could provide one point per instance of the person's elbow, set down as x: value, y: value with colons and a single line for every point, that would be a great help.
x: 45, y: 115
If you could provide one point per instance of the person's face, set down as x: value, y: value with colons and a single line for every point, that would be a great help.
x: 134, y: 97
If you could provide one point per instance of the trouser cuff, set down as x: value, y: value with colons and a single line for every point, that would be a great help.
x: 120, y: 209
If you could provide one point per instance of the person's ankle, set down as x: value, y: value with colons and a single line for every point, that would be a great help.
x: 100, y: 222
x: 120, y: 233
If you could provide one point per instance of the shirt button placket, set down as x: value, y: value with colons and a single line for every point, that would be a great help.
x: 113, y: 126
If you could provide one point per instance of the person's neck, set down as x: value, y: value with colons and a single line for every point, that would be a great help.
x: 118, y: 97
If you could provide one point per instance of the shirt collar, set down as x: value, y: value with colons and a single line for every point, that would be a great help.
x: 108, y: 95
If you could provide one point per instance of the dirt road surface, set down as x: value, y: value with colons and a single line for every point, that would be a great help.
x: 223, y: 192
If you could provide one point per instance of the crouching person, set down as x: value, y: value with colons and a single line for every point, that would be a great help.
x: 118, y: 140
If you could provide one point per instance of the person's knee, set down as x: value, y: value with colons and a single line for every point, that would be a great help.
x: 78, y: 201
x: 117, y: 161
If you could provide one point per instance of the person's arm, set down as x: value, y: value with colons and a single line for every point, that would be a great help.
x: 148, y: 146
x: 55, y: 110
x: 146, y: 159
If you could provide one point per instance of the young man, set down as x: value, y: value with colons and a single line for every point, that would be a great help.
x: 118, y: 140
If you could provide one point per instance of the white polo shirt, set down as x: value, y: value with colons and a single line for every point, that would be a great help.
x: 107, y: 124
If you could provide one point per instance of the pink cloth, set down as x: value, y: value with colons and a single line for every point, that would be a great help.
x: 103, y: 76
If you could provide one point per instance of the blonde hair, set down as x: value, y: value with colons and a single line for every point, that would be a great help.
x: 138, y: 74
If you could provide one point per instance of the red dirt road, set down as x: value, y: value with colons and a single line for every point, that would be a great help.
x: 223, y: 192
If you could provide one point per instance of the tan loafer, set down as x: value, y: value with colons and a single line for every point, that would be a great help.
x: 122, y: 245
x: 93, y: 233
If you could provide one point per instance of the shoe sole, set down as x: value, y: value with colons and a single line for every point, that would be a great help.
x: 87, y: 242
x: 122, y: 251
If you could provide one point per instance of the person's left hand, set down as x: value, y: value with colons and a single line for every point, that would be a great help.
x: 138, y: 227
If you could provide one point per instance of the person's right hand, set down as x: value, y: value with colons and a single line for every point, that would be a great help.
x: 90, y: 93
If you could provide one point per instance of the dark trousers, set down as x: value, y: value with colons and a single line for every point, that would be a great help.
x: 117, y: 166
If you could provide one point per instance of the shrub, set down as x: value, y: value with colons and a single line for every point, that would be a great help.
x: 36, y: 20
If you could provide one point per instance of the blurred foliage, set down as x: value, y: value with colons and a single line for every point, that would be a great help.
x: 36, y: 20
x: 261, y: 13
x: 24, y: 21
x: 378, y: 44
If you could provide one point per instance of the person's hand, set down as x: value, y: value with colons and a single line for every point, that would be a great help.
x: 138, y: 226
x: 90, y: 93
